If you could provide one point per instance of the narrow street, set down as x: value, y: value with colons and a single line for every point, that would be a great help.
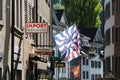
x: 59, y: 39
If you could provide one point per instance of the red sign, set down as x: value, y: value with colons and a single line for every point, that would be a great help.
x: 36, y: 27
x: 43, y: 52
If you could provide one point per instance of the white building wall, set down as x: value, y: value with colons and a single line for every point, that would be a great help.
x: 91, y: 71
x: 96, y: 71
x: 84, y: 68
x: 59, y: 72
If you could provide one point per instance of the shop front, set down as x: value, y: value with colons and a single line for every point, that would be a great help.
x: 38, y: 69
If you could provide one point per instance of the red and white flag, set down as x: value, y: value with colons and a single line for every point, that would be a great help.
x: 76, y: 71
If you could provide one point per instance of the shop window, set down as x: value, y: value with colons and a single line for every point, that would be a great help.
x: 19, y: 75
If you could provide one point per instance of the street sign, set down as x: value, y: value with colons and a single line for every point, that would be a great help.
x: 59, y: 64
x: 36, y: 27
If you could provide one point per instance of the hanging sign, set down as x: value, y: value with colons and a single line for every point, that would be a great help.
x: 36, y: 27
x: 59, y: 64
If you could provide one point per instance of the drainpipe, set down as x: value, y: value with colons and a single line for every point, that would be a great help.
x: 12, y: 43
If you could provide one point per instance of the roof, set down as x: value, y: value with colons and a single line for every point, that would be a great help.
x: 90, y: 32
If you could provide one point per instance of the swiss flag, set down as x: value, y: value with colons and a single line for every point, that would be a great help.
x: 76, y: 71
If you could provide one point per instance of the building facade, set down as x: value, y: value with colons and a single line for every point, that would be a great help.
x: 3, y: 30
x: 112, y: 38
x: 59, y: 24
x: 91, y: 60
x: 25, y: 56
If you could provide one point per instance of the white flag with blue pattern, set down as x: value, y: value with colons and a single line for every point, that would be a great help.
x: 68, y: 43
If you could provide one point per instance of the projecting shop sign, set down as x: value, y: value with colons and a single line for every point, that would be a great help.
x: 36, y: 27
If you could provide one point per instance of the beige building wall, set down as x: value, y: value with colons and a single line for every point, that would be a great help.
x: 2, y: 34
x: 44, y: 10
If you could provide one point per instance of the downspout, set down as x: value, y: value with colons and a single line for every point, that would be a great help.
x: 12, y: 42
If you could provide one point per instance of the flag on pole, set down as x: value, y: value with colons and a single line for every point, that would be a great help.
x: 76, y: 71
x: 68, y: 43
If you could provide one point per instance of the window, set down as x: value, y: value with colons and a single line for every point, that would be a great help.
x: 117, y: 65
x: 117, y: 33
x: 18, y: 13
x: 92, y: 77
x: 83, y: 74
x: 107, y: 37
x: 87, y: 74
x: 99, y: 64
x: 95, y: 64
x: 99, y: 76
x: 87, y: 62
x: 113, y: 37
x: 107, y: 64
x: 1, y: 13
x: 117, y: 6
x: 83, y: 60
x: 0, y: 73
x: 113, y: 6
x: 107, y: 11
x: 96, y: 76
x: 1, y: 10
x: 92, y: 64
x: 63, y: 70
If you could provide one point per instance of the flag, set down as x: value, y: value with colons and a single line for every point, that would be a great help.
x: 68, y: 43
x: 76, y: 71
